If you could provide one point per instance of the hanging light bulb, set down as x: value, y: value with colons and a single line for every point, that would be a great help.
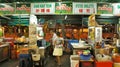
x: 65, y: 17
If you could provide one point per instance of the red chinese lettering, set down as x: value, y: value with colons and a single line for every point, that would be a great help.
x: 47, y: 10
x: 42, y: 10
x: 80, y: 10
x: 88, y: 10
x: 37, y: 10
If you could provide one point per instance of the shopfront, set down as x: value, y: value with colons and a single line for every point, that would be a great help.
x: 87, y: 29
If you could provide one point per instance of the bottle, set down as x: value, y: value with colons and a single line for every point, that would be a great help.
x: 102, y: 44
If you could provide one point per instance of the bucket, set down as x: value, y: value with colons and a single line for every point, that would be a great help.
x: 74, y: 61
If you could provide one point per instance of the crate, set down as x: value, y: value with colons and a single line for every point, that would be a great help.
x: 103, y: 63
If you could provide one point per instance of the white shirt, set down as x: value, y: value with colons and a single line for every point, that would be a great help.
x: 54, y: 38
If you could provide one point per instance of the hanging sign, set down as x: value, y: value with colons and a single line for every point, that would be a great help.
x: 6, y: 8
x: 98, y: 34
x: 63, y: 8
x: 43, y: 8
x: 116, y: 9
x: 84, y: 8
x: 91, y: 35
x: 23, y: 8
x: 104, y: 8
x: 50, y: 8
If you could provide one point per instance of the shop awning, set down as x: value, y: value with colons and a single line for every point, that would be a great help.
x: 107, y: 19
x: 19, y: 20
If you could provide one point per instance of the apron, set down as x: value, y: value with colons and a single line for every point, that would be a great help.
x: 58, y: 50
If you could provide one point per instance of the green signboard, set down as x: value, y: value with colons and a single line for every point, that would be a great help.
x: 63, y: 8
x: 22, y: 20
x: 104, y: 8
x: 43, y: 8
x: 23, y: 8
x: 6, y: 8
x: 84, y: 8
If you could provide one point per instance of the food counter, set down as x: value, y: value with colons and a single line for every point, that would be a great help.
x: 78, y: 46
x: 4, y: 51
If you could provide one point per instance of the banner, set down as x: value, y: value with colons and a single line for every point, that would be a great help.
x: 98, y: 34
x: 116, y: 9
x: 43, y: 8
x: 6, y: 8
x: 23, y: 8
x: 63, y: 8
x: 91, y: 35
x: 84, y: 8
x: 104, y: 8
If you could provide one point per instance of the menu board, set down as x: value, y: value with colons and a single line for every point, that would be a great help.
x: 23, y: 8
x: 84, y: 8
x: 63, y: 8
x: 6, y: 8
x: 43, y: 8
x: 104, y: 8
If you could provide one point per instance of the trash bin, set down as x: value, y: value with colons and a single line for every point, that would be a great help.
x: 74, y: 60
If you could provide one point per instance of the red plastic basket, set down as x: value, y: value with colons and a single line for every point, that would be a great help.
x: 103, y: 63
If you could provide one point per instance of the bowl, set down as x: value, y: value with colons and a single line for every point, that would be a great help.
x: 85, y: 57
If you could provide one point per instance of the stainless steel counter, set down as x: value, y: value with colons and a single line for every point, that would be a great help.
x: 4, y: 51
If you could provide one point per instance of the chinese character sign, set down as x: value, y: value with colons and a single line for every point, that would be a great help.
x: 84, y: 8
x: 104, y: 8
x: 63, y: 8
x: 7, y: 8
x: 42, y: 8
x: 50, y: 8
x: 23, y: 8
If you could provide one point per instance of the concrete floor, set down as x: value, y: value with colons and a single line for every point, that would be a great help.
x: 49, y: 62
x: 9, y: 63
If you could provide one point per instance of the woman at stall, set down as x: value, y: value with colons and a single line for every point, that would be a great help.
x: 58, y: 49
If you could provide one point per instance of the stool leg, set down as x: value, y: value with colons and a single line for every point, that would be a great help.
x: 39, y: 64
